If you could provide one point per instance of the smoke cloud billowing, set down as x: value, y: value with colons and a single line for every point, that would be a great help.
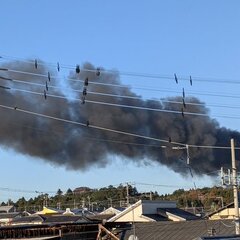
x: 79, y: 147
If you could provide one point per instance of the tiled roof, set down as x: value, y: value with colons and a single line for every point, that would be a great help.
x: 100, y: 217
x: 184, y: 230
x: 64, y: 219
x: 28, y: 219
x: 9, y: 215
x: 177, y: 212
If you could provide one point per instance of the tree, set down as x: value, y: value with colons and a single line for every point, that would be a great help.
x: 69, y: 192
x: 59, y: 192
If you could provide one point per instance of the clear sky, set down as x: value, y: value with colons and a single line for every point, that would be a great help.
x: 197, y: 38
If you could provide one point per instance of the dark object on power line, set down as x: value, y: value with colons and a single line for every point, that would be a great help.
x: 46, y: 86
x: 87, y: 123
x: 182, y: 112
x: 184, y: 104
x: 86, y: 82
x: 77, y: 69
x: 183, y: 93
x: 49, y: 76
x: 4, y: 87
x: 15, y: 108
x: 98, y: 72
x: 169, y: 139
x: 176, y: 79
x: 45, y: 94
x: 36, y: 63
x: 4, y: 78
x: 190, y: 80
x: 3, y: 69
x: 58, y: 66
x: 84, y: 91
x: 83, y: 100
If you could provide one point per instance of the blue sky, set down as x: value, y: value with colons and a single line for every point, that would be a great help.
x: 198, y: 38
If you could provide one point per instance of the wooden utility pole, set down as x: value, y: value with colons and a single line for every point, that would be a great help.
x: 235, y: 187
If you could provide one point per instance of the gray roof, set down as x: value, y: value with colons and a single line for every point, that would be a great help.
x: 177, y: 212
x: 156, y: 217
x: 183, y: 230
x: 64, y: 219
x: 6, y: 209
x: 9, y: 215
x: 28, y: 219
x: 233, y: 237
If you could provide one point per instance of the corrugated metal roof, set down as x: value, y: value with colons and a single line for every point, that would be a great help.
x: 184, y: 230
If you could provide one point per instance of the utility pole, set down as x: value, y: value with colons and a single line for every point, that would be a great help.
x: 110, y: 199
x: 235, y: 187
x: 127, y: 188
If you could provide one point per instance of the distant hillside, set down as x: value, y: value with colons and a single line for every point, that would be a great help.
x: 99, y: 199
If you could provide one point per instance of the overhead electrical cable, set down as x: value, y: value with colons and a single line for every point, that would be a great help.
x: 129, y: 106
x: 110, y: 130
x: 137, y: 97
x: 134, y: 74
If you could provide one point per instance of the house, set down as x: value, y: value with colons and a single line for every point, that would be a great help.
x: 63, y: 219
x: 226, y: 212
x: 151, y: 211
x: 183, y: 230
x: 7, y: 209
x: 7, y: 218
x: 112, y: 210
x: 28, y: 220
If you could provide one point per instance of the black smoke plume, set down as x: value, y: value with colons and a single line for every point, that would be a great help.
x: 80, y: 147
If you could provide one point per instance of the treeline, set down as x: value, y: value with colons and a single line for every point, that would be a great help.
x: 99, y: 199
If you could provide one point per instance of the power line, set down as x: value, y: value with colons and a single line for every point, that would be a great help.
x: 210, y: 94
x: 161, y: 100
x: 111, y: 130
x: 134, y: 74
x: 129, y: 106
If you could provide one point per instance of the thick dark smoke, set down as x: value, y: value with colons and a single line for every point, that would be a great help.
x: 80, y: 147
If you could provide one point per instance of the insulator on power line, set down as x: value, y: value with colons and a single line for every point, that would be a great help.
x: 45, y: 94
x: 77, y: 69
x: 86, y: 82
x: 83, y: 100
x: 87, y: 123
x: 169, y: 139
x: 36, y: 63
x: 190, y: 80
x: 58, y: 66
x: 183, y: 93
x: 84, y: 91
x: 98, y: 72
x: 176, y: 79
x: 46, y: 86
x: 5, y: 87
x: 5, y: 78
x: 15, y: 107
x: 49, y: 77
